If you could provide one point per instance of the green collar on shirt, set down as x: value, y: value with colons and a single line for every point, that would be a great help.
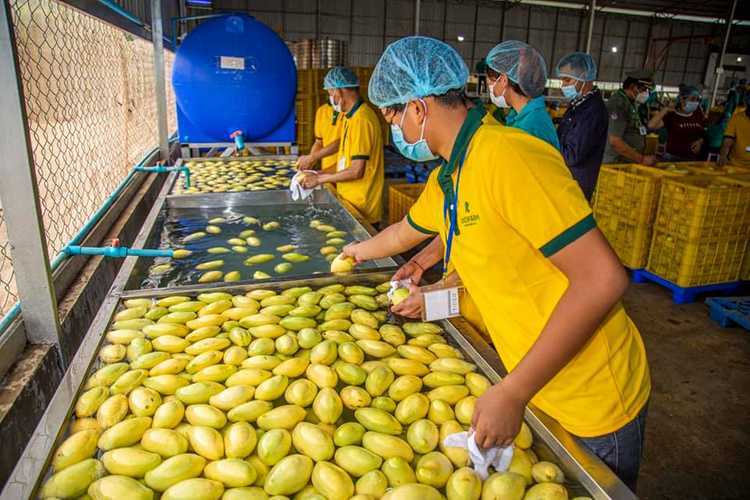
x: 335, y: 117
x: 354, y: 108
x: 471, y: 124
x: 534, y: 104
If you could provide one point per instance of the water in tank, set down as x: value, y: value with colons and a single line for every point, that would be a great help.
x: 232, y: 72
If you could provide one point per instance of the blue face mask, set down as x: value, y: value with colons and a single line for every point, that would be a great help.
x: 417, y: 151
x: 570, y: 92
x: 691, y: 106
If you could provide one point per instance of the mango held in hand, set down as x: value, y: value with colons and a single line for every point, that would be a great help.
x: 342, y: 264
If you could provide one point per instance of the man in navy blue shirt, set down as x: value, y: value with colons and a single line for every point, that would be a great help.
x: 583, y: 129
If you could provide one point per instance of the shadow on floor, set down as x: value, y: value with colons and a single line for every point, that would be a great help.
x: 698, y: 428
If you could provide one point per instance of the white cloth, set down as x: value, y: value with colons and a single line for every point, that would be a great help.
x: 396, y: 284
x: 499, y: 458
x: 295, y: 187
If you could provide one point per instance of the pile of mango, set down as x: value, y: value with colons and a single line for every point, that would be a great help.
x: 211, y: 267
x: 236, y: 176
x: 303, y: 394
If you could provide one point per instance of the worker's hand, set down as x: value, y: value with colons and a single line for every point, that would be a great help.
x: 353, y: 250
x: 306, y: 162
x: 649, y: 160
x: 696, y: 146
x: 411, y: 307
x: 311, y: 180
x: 410, y: 270
x: 721, y: 161
x: 497, y: 417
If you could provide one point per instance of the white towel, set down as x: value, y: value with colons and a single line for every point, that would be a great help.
x: 298, y: 192
x: 497, y: 457
x: 396, y: 284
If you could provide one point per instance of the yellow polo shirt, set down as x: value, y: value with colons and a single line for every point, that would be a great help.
x: 517, y: 206
x: 738, y: 129
x: 328, y: 125
x: 362, y: 139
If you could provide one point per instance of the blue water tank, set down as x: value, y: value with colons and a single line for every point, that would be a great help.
x: 232, y: 72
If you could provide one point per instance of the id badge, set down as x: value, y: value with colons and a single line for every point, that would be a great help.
x: 643, y: 130
x: 440, y: 302
x: 341, y: 164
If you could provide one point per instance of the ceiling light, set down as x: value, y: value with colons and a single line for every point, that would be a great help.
x: 614, y: 50
x: 739, y: 59
x: 460, y: 38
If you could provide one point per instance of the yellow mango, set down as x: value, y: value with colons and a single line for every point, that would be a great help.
x: 73, y: 481
x: 194, y: 489
x: 240, y: 440
x: 131, y: 462
x: 125, y: 433
x: 398, y: 471
x: 311, y: 440
x: 282, y: 417
x: 289, y: 475
x: 273, y: 446
x: 110, y: 487
x: 75, y: 449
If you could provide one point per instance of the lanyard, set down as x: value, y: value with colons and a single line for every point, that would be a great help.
x: 450, y: 209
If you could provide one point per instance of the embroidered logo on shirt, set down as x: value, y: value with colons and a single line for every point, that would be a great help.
x: 469, y: 219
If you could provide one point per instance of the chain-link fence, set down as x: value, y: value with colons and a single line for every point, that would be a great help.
x: 90, y: 101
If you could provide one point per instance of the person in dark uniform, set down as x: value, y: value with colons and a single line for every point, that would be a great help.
x: 626, y: 139
x: 583, y: 128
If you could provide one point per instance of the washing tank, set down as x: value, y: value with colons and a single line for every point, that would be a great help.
x: 231, y: 73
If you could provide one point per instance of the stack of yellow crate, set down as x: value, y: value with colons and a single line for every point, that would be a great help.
x: 742, y: 176
x: 701, y: 230
x: 625, y: 205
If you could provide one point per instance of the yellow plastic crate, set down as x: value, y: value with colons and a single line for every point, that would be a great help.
x: 630, y: 191
x: 745, y: 270
x: 631, y: 241
x: 707, y: 207
x: 401, y: 197
x: 689, y: 263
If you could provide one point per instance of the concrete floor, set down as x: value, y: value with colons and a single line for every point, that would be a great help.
x: 698, y: 427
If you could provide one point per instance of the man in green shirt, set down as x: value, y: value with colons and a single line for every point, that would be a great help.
x: 626, y: 139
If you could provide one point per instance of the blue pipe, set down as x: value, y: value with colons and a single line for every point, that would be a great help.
x: 124, y: 13
x: 161, y: 169
x: 117, y: 252
x: 15, y: 311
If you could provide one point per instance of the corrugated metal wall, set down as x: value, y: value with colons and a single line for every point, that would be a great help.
x: 369, y: 25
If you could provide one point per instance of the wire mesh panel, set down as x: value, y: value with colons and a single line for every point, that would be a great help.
x: 90, y: 101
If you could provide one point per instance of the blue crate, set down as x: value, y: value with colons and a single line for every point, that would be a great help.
x: 730, y: 311
x: 684, y: 295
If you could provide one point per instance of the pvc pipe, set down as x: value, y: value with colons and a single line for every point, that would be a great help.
x: 118, y: 252
x: 162, y: 169
x: 124, y: 13
x: 15, y: 311
x: 720, y: 60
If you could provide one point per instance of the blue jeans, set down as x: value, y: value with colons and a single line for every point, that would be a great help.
x: 621, y: 450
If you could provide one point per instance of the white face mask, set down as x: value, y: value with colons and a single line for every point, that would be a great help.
x: 336, y: 107
x: 498, y: 101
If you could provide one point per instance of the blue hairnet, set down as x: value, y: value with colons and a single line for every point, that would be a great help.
x: 416, y: 67
x: 523, y: 64
x: 689, y: 90
x: 577, y: 65
x: 340, y: 77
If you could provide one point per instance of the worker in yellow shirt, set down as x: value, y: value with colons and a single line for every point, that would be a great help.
x: 328, y: 126
x: 524, y: 242
x: 359, y: 175
x: 735, y: 148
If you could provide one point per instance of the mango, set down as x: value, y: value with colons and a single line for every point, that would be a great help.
x: 412, y: 408
x: 295, y: 257
x: 387, y: 446
x: 322, y: 375
x: 73, y: 481
x: 245, y: 493
x: 328, y: 406
x: 332, y: 481
x: 90, y: 401
x: 273, y: 446
x: 384, y: 403
x: 349, y: 433
x: 205, y: 415
x: 289, y: 475
x: 131, y: 462
x: 206, y: 442
x: 357, y: 461
x: 401, y: 366
x: 373, y: 484
x: 521, y: 465
x: 75, y: 449
x: 165, y: 442
x: 232, y: 472
x: 112, y: 353
x: 110, y: 487
x: 342, y: 264
x: 364, y: 301
x: 547, y: 472
x: 123, y: 336
x: 196, y: 488
x: 379, y: 421
x: 249, y: 412
x: 423, y: 436
x: 440, y: 412
x: 434, y: 469
x: 414, y: 329
x: 392, y: 334
x: 112, y: 411
x: 452, y: 365
x: 165, y: 384
x: 546, y: 491
x: 350, y: 374
x: 503, y: 485
x: 199, y: 392
x: 451, y: 394
x: 210, y: 277
x: 465, y: 409
x: 444, y: 351
x: 404, y: 386
x: 282, y: 417
x: 83, y: 424
x: 173, y: 470
x: 240, y: 440
x: 398, y: 472
x: 525, y: 439
x: 459, y: 456
x: 301, y: 392
x: 171, y: 366
x: 312, y: 441
x: 414, y: 492
x: 125, y: 433
x: 271, y: 389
